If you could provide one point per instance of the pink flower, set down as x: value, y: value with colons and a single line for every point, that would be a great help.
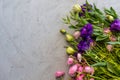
x: 112, y: 38
x: 73, y: 70
x: 80, y: 77
x: 80, y: 69
x: 109, y: 47
x: 70, y: 61
x: 91, y: 78
x: 79, y: 57
x: 76, y: 34
x: 89, y: 69
x: 59, y: 74
x: 106, y: 30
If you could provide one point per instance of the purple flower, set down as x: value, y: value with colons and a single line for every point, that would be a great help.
x: 85, y: 7
x: 115, y: 25
x: 83, y: 46
x: 86, y: 31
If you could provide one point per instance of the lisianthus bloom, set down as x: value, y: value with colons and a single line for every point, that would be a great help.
x: 83, y: 46
x: 85, y: 7
x: 115, y: 25
x: 59, y: 74
x: 86, y: 31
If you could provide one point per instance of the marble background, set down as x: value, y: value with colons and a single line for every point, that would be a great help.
x: 31, y: 47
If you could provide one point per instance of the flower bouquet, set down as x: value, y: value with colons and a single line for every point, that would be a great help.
x: 94, y: 46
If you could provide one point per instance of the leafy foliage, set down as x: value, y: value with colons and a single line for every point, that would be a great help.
x: 106, y: 64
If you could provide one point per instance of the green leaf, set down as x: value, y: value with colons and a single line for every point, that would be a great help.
x: 96, y: 33
x: 97, y: 10
x: 99, y: 64
x: 83, y: 21
x: 114, y: 12
x: 113, y: 43
x: 72, y: 27
x: 101, y: 37
x: 68, y: 19
x: 107, y: 11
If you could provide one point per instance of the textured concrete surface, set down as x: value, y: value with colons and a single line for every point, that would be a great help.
x: 31, y: 47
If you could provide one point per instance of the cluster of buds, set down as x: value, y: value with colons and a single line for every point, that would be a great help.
x: 78, y: 70
x: 112, y: 38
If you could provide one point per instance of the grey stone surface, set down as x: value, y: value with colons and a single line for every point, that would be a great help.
x: 31, y: 47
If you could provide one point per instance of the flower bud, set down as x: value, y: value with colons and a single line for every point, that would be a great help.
x: 112, y: 38
x: 80, y: 69
x: 91, y: 78
x: 107, y: 30
x: 76, y: 34
x: 77, y: 8
x: 109, y: 17
x: 59, y: 74
x: 63, y: 31
x: 70, y: 61
x: 73, y: 70
x: 109, y: 47
x: 89, y: 69
x: 79, y: 57
x: 69, y: 37
x: 70, y: 50
x: 80, y: 77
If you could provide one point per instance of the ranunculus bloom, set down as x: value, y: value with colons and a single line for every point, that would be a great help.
x: 73, y: 70
x: 115, y: 25
x: 70, y: 61
x: 86, y: 31
x: 59, y: 74
x: 89, y: 69
x: 80, y: 77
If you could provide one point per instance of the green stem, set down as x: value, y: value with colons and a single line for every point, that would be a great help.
x: 86, y: 61
x: 95, y: 77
